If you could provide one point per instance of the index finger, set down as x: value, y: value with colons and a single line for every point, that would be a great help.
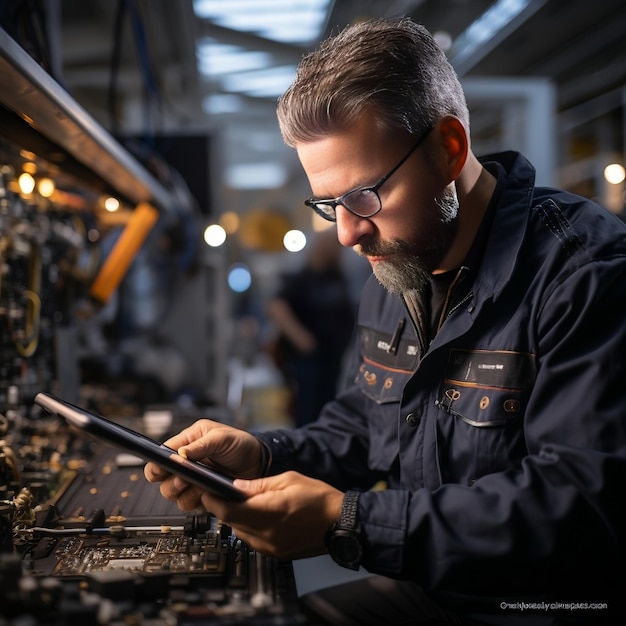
x: 154, y: 473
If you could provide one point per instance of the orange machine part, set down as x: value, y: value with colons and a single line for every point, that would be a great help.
x: 121, y: 256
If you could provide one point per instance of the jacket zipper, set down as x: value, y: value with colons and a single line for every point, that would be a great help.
x: 444, y: 311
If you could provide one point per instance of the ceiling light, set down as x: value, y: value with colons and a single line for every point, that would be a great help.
x: 243, y: 71
x: 269, y: 83
x: 222, y: 103
x: 256, y: 176
x: 215, y: 59
x: 298, y: 21
x: 484, y: 29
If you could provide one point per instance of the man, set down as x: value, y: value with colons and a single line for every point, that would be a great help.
x: 313, y: 313
x: 489, y: 386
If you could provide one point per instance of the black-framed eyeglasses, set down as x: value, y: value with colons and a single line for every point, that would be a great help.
x: 362, y: 201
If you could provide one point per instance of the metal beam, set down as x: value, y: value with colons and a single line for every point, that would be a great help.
x: 30, y: 92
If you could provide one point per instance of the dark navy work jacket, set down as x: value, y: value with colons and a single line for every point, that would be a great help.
x: 502, y: 442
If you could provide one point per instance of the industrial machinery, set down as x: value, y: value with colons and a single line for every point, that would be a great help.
x: 84, y: 538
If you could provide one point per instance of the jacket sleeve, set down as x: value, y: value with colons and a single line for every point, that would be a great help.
x: 334, y: 448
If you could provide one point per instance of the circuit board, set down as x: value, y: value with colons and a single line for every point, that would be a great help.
x: 106, y: 548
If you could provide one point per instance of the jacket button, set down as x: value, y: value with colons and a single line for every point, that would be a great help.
x: 412, y: 419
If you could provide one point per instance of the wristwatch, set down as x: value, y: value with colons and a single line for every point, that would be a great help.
x: 344, y: 541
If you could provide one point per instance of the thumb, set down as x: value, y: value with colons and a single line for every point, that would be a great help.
x: 251, y: 487
x: 194, y: 451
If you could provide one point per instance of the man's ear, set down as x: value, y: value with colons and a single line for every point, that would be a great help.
x: 455, y: 143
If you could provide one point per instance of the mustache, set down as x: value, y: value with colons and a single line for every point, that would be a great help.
x: 378, y: 248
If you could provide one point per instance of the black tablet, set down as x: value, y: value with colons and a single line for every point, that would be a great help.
x: 148, y: 449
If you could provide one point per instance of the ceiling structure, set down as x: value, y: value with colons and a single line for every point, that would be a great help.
x: 137, y: 68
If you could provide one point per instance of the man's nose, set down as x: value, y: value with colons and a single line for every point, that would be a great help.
x: 351, y: 228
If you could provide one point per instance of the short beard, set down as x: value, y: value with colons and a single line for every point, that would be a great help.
x: 411, y: 263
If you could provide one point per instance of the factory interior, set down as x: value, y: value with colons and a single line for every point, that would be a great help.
x: 149, y: 209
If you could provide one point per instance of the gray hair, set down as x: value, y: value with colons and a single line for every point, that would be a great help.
x: 390, y: 67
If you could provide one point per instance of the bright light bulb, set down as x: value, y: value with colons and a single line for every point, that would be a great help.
x: 26, y: 183
x: 294, y: 240
x: 45, y: 187
x: 214, y: 235
x: 111, y: 204
x: 615, y: 173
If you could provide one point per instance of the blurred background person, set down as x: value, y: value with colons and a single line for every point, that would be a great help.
x: 314, y: 318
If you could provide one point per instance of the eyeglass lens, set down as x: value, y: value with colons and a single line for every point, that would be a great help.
x: 361, y: 202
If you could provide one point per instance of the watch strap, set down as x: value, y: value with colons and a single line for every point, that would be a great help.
x: 349, y: 511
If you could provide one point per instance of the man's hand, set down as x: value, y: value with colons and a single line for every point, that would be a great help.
x: 285, y: 516
x: 229, y: 450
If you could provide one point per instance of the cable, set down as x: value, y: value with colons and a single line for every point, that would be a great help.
x: 116, y: 56
x: 151, y: 92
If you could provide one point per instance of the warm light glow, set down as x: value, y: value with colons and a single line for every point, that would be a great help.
x: 45, y: 187
x: 294, y: 240
x: 615, y: 173
x: 229, y: 221
x: 111, y: 204
x: 215, y: 235
x: 26, y: 183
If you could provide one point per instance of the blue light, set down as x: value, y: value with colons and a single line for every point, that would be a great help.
x: 239, y: 278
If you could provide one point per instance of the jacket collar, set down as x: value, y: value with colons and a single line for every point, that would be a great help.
x: 508, y: 223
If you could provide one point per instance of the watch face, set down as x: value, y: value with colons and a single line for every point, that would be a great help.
x: 346, y: 547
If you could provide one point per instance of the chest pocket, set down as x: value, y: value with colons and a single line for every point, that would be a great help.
x: 483, y: 397
x: 388, y: 362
